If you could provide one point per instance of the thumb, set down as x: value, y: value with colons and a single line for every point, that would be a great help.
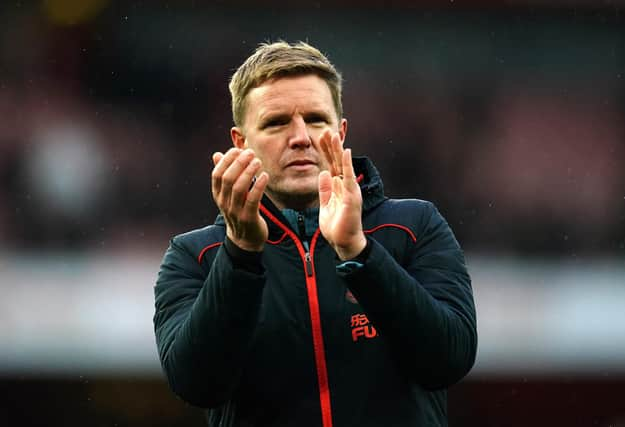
x: 325, y: 188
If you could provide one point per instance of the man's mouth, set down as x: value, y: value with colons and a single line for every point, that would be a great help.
x: 300, y: 163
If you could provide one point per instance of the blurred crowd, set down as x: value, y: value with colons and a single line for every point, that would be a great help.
x: 107, y: 125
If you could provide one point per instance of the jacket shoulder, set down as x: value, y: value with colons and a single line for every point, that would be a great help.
x: 415, y: 213
x: 182, y: 265
x: 187, y: 251
x: 195, y: 241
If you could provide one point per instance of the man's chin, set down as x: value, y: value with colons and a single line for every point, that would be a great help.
x: 299, y: 184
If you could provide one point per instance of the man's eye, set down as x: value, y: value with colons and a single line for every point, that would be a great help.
x: 315, y: 118
x: 274, y: 123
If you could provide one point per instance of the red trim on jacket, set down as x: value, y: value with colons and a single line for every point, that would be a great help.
x: 320, y: 353
x: 203, y: 251
x: 277, y: 242
x: 315, y: 318
x: 401, y: 227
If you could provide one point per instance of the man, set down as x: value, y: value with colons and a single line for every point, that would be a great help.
x: 313, y: 300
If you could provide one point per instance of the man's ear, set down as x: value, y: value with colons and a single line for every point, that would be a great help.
x: 343, y: 129
x: 238, y: 139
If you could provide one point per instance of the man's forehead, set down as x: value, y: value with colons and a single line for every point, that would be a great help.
x: 292, y: 85
x: 308, y: 91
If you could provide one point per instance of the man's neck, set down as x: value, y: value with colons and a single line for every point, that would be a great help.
x: 304, y: 222
x: 297, y: 202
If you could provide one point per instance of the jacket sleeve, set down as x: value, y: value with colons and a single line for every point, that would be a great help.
x: 204, y: 324
x: 425, y: 309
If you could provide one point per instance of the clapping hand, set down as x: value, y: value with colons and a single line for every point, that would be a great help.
x: 340, y: 200
x: 238, y: 196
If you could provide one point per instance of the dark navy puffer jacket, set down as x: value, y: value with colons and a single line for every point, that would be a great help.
x: 285, y: 339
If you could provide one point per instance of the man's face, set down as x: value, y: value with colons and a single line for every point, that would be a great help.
x: 284, y: 121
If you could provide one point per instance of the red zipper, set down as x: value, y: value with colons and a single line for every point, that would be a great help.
x: 315, y: 316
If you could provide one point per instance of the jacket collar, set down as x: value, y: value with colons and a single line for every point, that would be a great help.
x: 371, y: 183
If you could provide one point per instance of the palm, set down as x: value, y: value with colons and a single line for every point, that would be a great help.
x: 339, y: 217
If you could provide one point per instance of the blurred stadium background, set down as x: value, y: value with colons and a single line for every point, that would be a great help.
x: 510, y: 116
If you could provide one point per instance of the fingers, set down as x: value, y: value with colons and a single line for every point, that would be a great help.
x: 241, y: 173
x: 332, y: 149
x: 222, y: 162
x: 337, y: 188
x: 232, y: 178
x: 325, y: 188
x: 349, y: 176
x: 324, y: 144
x: 254, y: 196
x: 337, y: 153
x: 336, y: 185
x: 217, y: 157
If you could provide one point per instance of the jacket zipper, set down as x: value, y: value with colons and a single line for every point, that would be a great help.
x: 315, y: 315
x: 307, y: 260
x: 302, y: 232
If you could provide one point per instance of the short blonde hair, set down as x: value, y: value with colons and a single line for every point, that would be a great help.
x: 281, y: 59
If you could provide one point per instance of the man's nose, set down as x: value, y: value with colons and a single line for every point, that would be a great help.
x: 299, y: 136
